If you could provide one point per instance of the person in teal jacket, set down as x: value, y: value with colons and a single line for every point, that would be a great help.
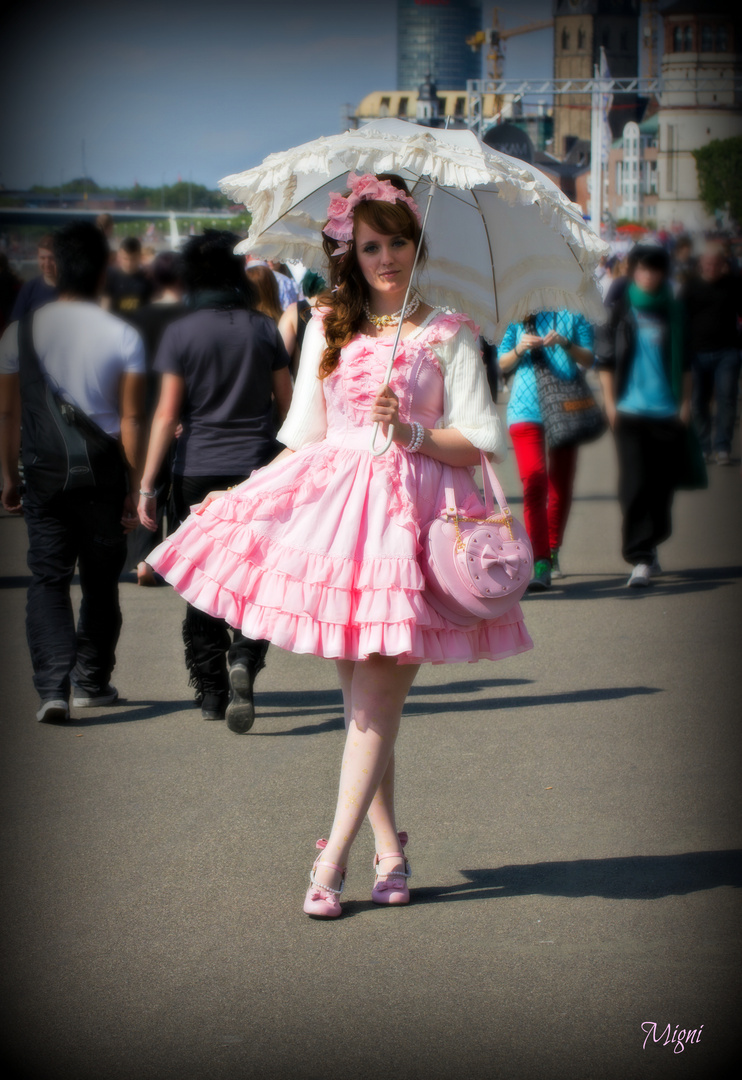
x: 643, y: 358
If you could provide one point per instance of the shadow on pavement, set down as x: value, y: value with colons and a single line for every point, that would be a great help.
x: 316, y: 698
x: 635, y: 877
x: 335, y: 723
x: 291, y: 707
x: 670, y: 583
x: 311, y: 703
x: 527, y: 701
x: 465, y: 686
x: 127, y: 712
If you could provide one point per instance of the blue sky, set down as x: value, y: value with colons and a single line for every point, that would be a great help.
x: 160, y: 90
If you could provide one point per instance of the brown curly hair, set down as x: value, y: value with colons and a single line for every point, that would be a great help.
x: 343, y: 305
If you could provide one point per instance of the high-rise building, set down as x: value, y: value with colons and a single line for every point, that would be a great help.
x: 431, y: 42
x: 581, y: 27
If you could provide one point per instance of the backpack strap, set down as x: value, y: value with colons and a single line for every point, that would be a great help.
x: 29, y: 365
x: 42, y: 414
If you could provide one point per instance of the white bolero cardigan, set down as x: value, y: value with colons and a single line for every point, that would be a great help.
x: 467, y: 402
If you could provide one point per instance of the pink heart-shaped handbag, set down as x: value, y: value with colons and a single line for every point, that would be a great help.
x: 475, y: 569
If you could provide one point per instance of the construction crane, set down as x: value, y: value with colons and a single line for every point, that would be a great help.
x: 495, y: 39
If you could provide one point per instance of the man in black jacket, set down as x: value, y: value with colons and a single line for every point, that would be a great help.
x: 127, y: 286
x: 713, y: 300
x: 225, y: 374
x: 644, y: 365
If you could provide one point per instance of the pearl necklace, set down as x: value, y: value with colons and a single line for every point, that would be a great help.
x: 381, y: 321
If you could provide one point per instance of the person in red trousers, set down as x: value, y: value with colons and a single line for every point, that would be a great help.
x: 566, y: 340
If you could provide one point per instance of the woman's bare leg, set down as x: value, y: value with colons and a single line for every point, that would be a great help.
x: 345, y: 669
x: 383, y: 822
x: 381, y: 811
x: 377, y: 690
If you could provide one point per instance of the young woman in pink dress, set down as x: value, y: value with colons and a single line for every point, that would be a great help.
x: 319, y: 551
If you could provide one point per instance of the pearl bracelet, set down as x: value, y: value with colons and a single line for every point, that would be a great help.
x: 416, y: 440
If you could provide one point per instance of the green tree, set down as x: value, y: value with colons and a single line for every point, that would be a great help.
x: 72, y: 187
x: 719, y: 168
x: 190, y: 196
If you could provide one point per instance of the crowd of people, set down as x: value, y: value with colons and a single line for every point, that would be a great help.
x: 197, y: 354
x: 205, y: 420
x: 668, y: 362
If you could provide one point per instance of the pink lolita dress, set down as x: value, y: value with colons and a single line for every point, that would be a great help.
x: 319, y: 552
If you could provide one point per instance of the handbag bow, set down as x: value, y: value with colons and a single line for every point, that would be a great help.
x: 510, y: 563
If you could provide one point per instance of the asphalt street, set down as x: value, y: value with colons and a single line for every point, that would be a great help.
x: 575, y: 839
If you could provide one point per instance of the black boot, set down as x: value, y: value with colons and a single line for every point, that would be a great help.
x: 206, y: 641
x: 241, y: 709
x: 213, y: 706
x: 244, y: 660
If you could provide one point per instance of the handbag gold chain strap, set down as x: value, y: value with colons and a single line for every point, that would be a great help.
x: 453, y: 515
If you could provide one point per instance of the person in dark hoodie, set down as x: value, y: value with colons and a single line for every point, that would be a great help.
x: 225, y: 377
x: 643, y: 359
x: 713, y: 301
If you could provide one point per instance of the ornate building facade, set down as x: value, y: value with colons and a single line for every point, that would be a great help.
x: 699, y: 42
x: 581, y: 27
x: 631, y: 178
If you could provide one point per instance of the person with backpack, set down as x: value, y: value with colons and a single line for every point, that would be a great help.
x: 72, y: 376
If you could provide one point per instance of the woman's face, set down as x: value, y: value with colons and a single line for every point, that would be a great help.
x: 385, y: 262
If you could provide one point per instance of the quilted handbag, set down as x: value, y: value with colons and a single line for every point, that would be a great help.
x: 570, y: 413
x: 475, y: 568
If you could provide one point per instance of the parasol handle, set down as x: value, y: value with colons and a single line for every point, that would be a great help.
x: 378, y: 451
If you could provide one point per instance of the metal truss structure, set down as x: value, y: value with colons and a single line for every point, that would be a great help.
x: 645, y: 87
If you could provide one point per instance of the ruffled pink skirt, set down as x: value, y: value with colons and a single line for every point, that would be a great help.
x: 318, y: 554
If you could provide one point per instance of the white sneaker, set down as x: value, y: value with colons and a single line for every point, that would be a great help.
x: 722, y: 458
x: 640, y: 576
x: 81, y: 699
x: 53, y: 711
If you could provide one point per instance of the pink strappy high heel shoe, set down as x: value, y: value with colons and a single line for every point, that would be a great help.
x: 317, y: 903
x: 392, y: 888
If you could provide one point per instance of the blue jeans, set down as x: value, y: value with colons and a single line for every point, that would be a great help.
x: 715, y: 374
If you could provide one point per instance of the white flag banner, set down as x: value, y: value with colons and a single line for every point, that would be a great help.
x: 606, y: 102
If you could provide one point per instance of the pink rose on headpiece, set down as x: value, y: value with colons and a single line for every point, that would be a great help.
x: 362, y: 189
x: 340, y: 208
x: 340, y: 219
x: 367, y: 187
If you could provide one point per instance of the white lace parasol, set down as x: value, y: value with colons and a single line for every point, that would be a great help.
x: 503, y: 239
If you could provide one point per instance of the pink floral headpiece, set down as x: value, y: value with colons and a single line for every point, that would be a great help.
x: 362, y: 189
